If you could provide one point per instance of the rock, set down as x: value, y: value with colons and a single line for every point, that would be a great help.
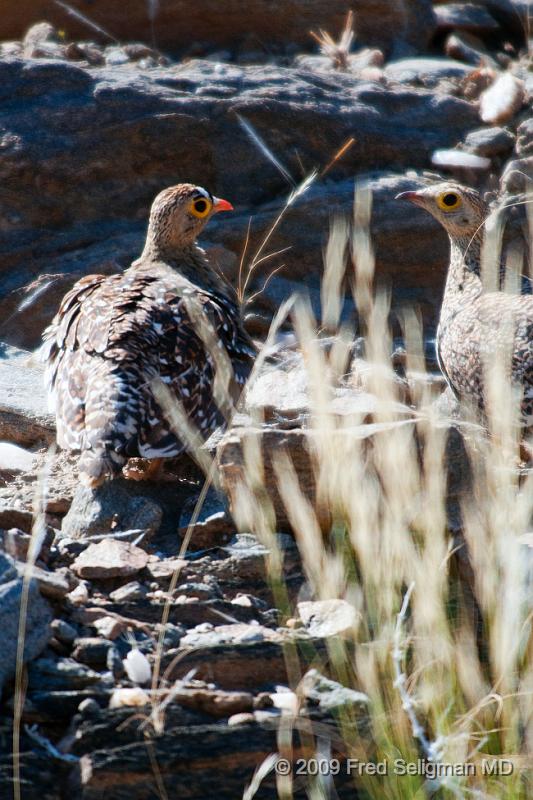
x: 63, y: 631
x: 500, y: 102
x: 114, y: 506
x: 425, y: 71
x: 63, y: 673
x: 129, y: 698
x: 465, y: 17
x: 92, y: 651
x: 130, y: 591
x: 328, y: 617
x: 16, y: 542
x: 468, y: 48
x: 330, y: 695
x: 214, y: 530
x: 54, y: 585
x: 14, y: 459
x: 458, y: 160
x: 24, y: 416
x: 216, y: 703
x: 524, y: 144
x: 138, y: 155
x: 110, y: 559
x: 176, y: 25
x: 110, y: 627
x: 80, y: 595
x: 489, y: 142
x: 38, y: 618
x: 16, y: 518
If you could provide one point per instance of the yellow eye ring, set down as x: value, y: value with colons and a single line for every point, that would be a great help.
x: 200, y: 207
x: 449, y: 201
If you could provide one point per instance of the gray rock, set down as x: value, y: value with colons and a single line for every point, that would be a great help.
x: 465, y: 17
x: 426, y: 71
x: 179, y: 24
x: 92, y: 651
x: 138, y: 129
x: 38, y: 618
x: 47, y: 674
x: 328, y: 617
x: 489, y: 142
x: 130, y: 591
x: 524, y: 144
x: 24, y: 416
x: 54, y: 585
x: 114, y: 506
x: 110, y: 559
x: 63, y: 631
x: 329, y: 695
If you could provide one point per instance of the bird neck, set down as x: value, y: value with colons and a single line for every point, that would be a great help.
x: 189, y: 261
x: 464, y: 278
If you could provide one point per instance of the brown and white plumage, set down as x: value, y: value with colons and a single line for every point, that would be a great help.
x: 475, y: 324
x: 114, y: 337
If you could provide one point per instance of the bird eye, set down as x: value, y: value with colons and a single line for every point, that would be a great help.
x: 200, y: 207
x: 449, y: 201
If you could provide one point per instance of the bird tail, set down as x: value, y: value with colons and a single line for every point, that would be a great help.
x: 112, y: 413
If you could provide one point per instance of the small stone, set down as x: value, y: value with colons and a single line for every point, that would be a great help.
x: 137, y: 667
x: 328, y: 617
x: 109, y: 627
x: 330, y: 695
x: 162, y: 570
x: 91, y: 650
x: 457, y: 159
x: 129, y: 697
x: 89, y: 708
x: 129, y: 592
x: 63, y: 631
x: 489, y: 142
x: 110, y: 559
x: 243, y: 718
x: 54, y: 585
x: 63, y: 673
x: 80, y: 595
x: 501, y: 101
x: 465, y: 17
x: 15, y: 459
x: 114, y: 663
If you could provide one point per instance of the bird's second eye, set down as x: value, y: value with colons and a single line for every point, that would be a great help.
x: 200, y: 207
x: 449, y: 201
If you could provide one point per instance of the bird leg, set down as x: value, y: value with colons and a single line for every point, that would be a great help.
x: 143, y: 469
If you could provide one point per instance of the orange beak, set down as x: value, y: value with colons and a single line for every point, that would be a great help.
x: 413, y: 197
x: 221, y: 205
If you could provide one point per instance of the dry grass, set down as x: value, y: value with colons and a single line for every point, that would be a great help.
x: 442, y: 644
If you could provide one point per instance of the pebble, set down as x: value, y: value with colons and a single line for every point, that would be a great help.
x: 80, y: 595
x: 325, y: 618
x: 63, y: 631
x: 243, y: 718
x: 129, y: 592
x: 109, y: 627
x: 489, y: 142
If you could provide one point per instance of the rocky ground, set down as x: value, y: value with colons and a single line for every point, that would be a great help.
x: 92, y: 125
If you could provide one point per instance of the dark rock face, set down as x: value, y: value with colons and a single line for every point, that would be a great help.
x: 129, y: 133
x: 38, y: 619
x: 178, y: 24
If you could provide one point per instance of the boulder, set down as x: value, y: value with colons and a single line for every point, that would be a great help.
x: 38, y: 618
x: 129, y: 133
x: 175, y: 25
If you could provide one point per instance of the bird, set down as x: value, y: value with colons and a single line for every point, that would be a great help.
x: 169, y: 319
x: 475, y: 324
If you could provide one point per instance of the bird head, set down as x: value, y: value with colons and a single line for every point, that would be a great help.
x: 179, y: 213
x: 461, y: 211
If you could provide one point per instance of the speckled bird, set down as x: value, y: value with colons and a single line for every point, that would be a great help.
x: 169, y: 318
x: 474, y: 323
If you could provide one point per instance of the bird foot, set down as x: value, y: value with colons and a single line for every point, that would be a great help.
x: 143, y: 469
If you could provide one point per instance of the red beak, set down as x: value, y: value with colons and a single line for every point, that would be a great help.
x: 221, y: 205
x: 413, y: 197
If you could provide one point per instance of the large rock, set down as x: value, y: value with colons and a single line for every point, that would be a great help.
x: 176, y: 24
x: 84, y: 151
x: 38, y: 618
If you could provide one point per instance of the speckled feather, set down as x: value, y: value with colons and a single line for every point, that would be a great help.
x: 474, y: 324
x: 113, y: 336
